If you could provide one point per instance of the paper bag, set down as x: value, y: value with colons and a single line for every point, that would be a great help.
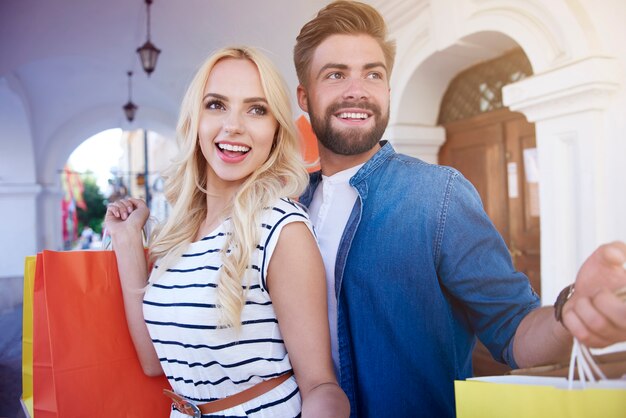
x: 538, y: 397
x: 27, y: 334
x: 84, y: 362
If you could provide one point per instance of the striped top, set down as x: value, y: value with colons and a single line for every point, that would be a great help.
x: 204, y: 362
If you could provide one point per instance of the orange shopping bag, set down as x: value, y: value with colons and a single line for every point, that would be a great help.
x: 84, y: 362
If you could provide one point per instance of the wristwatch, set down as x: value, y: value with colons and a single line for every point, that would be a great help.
x: 563, y: 297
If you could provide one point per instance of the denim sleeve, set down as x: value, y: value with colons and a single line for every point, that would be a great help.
x: 476, y: 270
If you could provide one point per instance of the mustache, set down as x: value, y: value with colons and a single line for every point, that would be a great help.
x: 374, y: 108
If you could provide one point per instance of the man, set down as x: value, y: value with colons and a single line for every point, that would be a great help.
x: 416, y: 269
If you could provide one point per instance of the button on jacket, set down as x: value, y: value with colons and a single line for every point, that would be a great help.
x: 420, y: 272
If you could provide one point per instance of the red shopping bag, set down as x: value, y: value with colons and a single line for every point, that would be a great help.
x: 84, y: 362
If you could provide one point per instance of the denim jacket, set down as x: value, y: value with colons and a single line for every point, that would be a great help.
x: 420, y: 272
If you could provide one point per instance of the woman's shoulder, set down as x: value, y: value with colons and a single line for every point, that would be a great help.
x: 276, y: 216
x: 281, y: 212
x: 286, y: 207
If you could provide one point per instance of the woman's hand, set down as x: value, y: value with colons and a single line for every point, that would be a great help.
x: 126, y: 216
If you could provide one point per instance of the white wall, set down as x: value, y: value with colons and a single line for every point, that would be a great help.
x: 609, y: 21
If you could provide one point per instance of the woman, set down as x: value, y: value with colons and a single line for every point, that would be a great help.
x: 235, y: 258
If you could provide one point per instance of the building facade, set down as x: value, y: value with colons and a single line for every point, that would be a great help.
x: 575, y: 97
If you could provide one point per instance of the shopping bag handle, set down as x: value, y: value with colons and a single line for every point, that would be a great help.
x: 107, y: 243
x: 582, y: 360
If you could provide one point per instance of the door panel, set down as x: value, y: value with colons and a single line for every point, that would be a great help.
x: 478, y: 154
x: 524, y: 210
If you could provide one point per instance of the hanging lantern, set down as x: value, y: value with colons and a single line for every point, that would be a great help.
x: 130, y: 108
x: 148, y: 53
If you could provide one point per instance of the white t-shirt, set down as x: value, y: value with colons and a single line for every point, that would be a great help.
x: 329, y: 210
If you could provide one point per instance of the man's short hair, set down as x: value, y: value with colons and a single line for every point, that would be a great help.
x: 341, y: 18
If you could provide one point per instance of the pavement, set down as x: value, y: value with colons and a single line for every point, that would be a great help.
x: 11, y: 363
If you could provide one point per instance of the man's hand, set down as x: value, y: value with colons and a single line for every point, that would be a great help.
x: 595, y: 315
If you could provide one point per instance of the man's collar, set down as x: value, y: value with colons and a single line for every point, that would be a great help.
x: 386, y: 150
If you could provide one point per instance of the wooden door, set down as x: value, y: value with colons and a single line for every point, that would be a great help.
x: 490, y: 150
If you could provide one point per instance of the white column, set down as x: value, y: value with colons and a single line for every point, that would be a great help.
x: 418, y: 141
x: 19, y: 227
x: 50, y: 218
x: 568, y: 106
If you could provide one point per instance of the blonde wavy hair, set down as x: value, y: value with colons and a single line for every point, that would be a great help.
x: 283, y: 174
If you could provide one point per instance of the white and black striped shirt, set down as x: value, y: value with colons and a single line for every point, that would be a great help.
x: 203, y: 361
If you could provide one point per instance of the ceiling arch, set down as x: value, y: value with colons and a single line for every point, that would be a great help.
x: 90, y: 122
x: 429, y: 57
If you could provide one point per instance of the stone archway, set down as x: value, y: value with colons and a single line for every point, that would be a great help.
x: 61, y: 145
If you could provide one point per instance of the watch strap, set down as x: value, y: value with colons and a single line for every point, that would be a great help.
x: 563, y: 297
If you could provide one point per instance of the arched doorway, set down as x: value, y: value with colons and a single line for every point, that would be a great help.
x: 496, y: 150
x: 108, y: 166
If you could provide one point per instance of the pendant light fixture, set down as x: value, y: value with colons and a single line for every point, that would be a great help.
x: 148, y: 53
x: 130, y: 108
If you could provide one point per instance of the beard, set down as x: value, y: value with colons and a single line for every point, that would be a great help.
x: 348, y: 141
